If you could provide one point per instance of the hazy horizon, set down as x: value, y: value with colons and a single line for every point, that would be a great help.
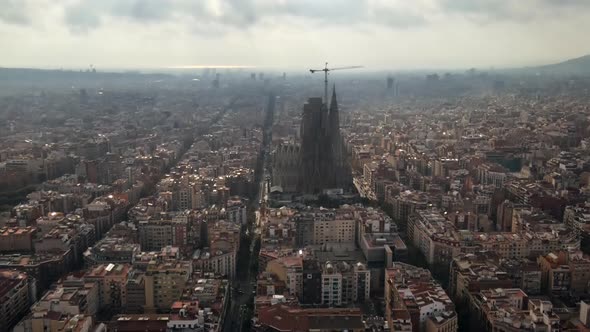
x: 378, y: 34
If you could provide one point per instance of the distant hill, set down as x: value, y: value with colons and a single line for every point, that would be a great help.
x: 578, y: 66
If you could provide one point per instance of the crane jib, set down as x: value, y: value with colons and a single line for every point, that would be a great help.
x: 326, y: 70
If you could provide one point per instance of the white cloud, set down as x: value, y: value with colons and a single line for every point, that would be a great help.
x: 293, y: 33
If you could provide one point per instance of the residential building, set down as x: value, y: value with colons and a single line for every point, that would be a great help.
x: 111, y: 280
x: 133, y: 299
x: 17, y: 239
x: 332, y: 285
x: 510, y: 310
x: 236, y: 211
x: 525, y: 274
x: 15, y: 298
x: 156, y: 234
x: 322, y: 226
x: 47, y: 321
x: 219, y: 262
x: 164, y: 283
x: 282, y: 317
x: 71, y: 296
x: 411, y: 292
x: 406, y: 202
x: 474, y: 272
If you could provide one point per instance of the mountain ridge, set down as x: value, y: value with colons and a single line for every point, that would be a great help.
x: 574, y: 66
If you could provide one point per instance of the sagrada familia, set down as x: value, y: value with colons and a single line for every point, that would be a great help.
x: 318, y: 162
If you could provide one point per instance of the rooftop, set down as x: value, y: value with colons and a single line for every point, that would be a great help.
x: 13, y: 231
x: 110, y: 270
x: 9, y: 280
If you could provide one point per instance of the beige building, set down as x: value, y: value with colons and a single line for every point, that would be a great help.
x: 336, y: 231
x: 164, y: 283
x: 134, y: 293
x: 289, y: 270
x: 111, y: 280
x: 320, y: 226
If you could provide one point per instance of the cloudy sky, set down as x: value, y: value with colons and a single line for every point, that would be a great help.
x: 395, y: 34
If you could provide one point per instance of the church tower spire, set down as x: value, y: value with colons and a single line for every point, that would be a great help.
x: 334, y: 116
x: 333, y: 102
x: 336, y: 141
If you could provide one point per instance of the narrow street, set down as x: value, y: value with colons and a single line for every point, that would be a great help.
x: 243, y: 287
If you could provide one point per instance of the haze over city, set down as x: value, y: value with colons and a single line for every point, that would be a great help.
x: 392, y: 34
x: 294, y: 166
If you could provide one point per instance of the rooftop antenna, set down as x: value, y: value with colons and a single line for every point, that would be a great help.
x: 326, y: 70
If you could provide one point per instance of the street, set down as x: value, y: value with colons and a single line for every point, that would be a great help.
x: 243, y: 287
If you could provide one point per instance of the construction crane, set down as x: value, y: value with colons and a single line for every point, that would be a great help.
x: 326, y: 70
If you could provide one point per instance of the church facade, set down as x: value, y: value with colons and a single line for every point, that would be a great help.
x: 317, y: 163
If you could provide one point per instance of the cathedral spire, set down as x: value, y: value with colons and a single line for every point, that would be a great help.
x: 333, y: 102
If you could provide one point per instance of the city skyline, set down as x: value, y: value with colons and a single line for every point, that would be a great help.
x: 292, y: 34
x: 195, y: 165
